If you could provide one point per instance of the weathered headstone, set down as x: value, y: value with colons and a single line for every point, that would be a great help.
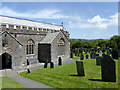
x: 71, y: 54
x: 81, y: 57
x: 108, y: 69
x: 93, y: 55
x: 51, y: 65
x: 59, y: 61
x: 95, y: 50
x: 86, y: 56
x: 98, y: 60
x: 97, y: 55
x: 119, y: 53
x: 80, y: 68
x: 28, y: 70
x: 108, y: 52
x: 78, y: 54
x: 76, y: 51
x: 114, y: 54
x: 103, y: 51
x: 45, y: 65
x: 103, y: 55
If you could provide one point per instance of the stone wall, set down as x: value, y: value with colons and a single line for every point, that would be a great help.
x: 54, y: 48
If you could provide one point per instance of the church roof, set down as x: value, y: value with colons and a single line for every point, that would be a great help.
x: 25, y: 22
x: 49, y: 38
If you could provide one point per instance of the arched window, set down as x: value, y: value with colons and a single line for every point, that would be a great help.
x: 61, y: 47
x: 30, y: 47
x: 5, y: 41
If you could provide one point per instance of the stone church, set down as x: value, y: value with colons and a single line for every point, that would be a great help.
x: 24, y: 42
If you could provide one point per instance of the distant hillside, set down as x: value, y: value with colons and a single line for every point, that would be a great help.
x: 83, y: 40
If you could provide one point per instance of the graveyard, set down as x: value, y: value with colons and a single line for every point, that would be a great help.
x: 92, y: 68
x: 65, y: 76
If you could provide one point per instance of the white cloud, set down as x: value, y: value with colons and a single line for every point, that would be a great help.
x: 74, y: 21
x: 46, y: 13
x: 95, y: 22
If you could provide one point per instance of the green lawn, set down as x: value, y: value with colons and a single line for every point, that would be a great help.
x: 65, y: 76
x: 9, y: 83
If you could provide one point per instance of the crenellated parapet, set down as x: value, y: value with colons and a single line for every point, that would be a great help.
x: 21, y: 26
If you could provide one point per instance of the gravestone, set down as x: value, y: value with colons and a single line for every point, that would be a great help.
x: 86, y: 56
x: 71, y: 54
x: 85, y: 51
x: 95, y: 50
x: 98, y: 61
x: 114, y: 54
x: 103, y: 51
x: 28, y: 70
x: 119, y: 53
x: 81, y: 57
x: 51, y: 65
x: 80, y: 68
x: 108, y: 69
x: 98, y: 50
x: 108, y: 52
x: 59, y: 61
x: 78, y: 54
x: 45, y: 65
x: 97, y: 55
x: 103, y: 55
x: 93, y: 55
x: 76, y: 51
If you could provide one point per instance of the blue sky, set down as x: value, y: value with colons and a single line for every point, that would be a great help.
x: 84, y: 20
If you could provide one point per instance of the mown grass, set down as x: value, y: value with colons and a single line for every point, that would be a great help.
x: 65, y: 76
x: 9, y: 83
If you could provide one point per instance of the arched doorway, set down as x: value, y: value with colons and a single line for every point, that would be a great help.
x: 6, y: 61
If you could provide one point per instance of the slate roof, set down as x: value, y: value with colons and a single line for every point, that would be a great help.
x: 49, y: 38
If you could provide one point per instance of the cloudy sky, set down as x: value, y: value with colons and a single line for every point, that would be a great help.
x: 84, y: 20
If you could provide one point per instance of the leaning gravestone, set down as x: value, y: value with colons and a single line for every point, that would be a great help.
x: 81, y: 57
x: 59, y: 61
x: 108, y: 69
x: 98, y: 61
x: 80, y: 68
x: 51, y: 65
x: 86, y: 56
x: 114, y: 54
